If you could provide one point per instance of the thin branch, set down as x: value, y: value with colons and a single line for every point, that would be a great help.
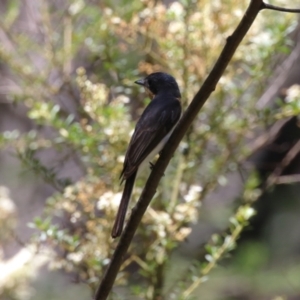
x: 288, y: 179
x: 290, y: 156
x: 200, y: 98
x: 215, y: 258
x: 277, y: 8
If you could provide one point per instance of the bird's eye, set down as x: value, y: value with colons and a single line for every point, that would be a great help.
x: 149, y: 82
x: 151, y: 86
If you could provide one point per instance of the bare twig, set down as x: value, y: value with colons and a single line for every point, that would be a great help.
x: 200, y: 98
x: 281, y: 72
x: 268, y: 137
x: 277, y: 8
x: 288, y: 179
x: 272, y: 179
x: 223, y: 249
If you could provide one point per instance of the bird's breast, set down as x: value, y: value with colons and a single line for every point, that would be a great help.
x: 155, y: 151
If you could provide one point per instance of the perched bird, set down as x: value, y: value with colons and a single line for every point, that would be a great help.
x: 152, y: 131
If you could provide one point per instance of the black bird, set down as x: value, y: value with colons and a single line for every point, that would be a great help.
x: 150, y: 135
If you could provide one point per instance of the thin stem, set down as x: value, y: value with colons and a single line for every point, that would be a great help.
x: 277, y: 8
x: 216, y: 257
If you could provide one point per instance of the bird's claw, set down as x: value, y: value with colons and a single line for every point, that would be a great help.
x: 152, y: 165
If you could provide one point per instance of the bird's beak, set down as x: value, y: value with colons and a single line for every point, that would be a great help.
x: 140, y: 82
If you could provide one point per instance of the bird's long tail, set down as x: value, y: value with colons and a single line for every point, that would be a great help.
x: 120, y: 218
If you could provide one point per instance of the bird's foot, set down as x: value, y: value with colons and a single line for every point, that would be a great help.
x: 152, y: 165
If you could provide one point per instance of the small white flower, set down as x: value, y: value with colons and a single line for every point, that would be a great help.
x: 75, y: 257
x: 176, y: 8
x: 109, y: 199
x: 292, y: 93
x: 193, y: 193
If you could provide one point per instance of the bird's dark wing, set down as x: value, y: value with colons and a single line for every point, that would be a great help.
x: 156, y: 122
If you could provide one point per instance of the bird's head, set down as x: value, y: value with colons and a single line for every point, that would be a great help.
x: 159, y: 83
